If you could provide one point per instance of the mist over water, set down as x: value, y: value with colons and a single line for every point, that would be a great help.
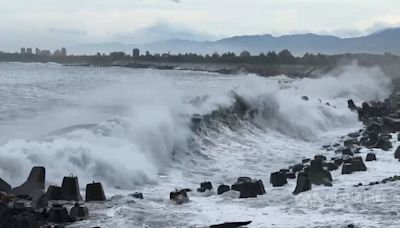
x: 125, y: 127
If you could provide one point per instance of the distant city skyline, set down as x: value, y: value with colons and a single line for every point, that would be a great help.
x: 51, y: 24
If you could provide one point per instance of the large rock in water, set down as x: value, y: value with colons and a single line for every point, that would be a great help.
x: 4, y: 186
x: 205, y: 186
x: 397, y: 153
x: 94, y: 192
x: 318, y: 175
x: 34, y: 185
x: 248, y: 188
x: 231, y: 225
x: 278, y: 179
x: 370, y: 157
x: 223, y: 188
x: 179, y: 196
x: 70, y: 189
x: 357, y: 164
x: 303, y: 183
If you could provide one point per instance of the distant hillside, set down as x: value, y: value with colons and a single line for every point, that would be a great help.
x: 377, y: 43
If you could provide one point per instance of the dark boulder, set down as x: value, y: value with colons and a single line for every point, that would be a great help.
x: 137, y: 195
x: 351, y: 142
x: 392, y: 125
x: 370, y: 157
x: 223, y: 188
x: 179, y: 196
x: 249, y: 188
x: 303, y: 183
x: 26, y: 221
x: 70, y: 189
x: 397, y: 153
x: 205, y: 186
x: 320, y: 157
x: 305, y: 160
x: 290, y: 175
x: 79, y: 212
x: 58, y: 214
x: 4, y: 186
x: 351, y: 105
x: 331, y: 166
x: 34, y: 185
x: 318, y: 175
x: 278, y: 179
x: 347, y: 168
x: 297, y: 168
x: 347, y: 151
x: 95, y: 192
x: 231, y: 225
x: 54, y: 193
x: 383, y: 144
x: 357, y: 164
x: 338, y: 161
x: 354, y: 135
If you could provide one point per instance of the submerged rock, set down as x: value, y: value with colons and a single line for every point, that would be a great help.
x: 223, y: 188
x: 205, y: 186
x: 179, y: 196
x: 248, y: 188
x: 370, y: 157
x: 278, y: 179
x: 137, y: 195
x: 303, y: 183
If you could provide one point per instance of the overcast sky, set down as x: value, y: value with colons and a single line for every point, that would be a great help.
x: 54, y: 23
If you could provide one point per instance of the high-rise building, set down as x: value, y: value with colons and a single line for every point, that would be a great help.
x: 135, y: 52
x: 45, y: 53
x: 23, y: 51
x: 29, y: 51
x: 37, y: 51
x: 63, y: 52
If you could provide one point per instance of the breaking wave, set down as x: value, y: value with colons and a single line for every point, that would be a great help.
x: 156, y: 125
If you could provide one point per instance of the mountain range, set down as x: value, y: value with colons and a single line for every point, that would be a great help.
x: 385, y: 41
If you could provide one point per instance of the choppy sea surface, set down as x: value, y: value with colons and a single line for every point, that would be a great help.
x: 152, y: 131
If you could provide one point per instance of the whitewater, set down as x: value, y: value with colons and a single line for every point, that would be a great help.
x: 151, y: 131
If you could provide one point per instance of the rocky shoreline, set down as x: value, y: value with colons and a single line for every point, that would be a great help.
x: 28, y: 205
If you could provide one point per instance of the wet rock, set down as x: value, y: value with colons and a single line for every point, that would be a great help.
x: 331, y: 166
x: 351, y: 105
x: 347, y: 151
x: 34, y: 185
x: 4, y: 186
x: 351, y: 142
x: 305, y: 98
x: 249, y: 188
x: 297, y: 168
x: 70, y: 189
x: 290, y: 175
x: 320, y: 157
x: 58, y: 214
x: 137, y: 195
x: 397, y: 153
x: 303, y: 183
x: 347, y: 168
x: 223, y: 188
x: 383, y: 144
x: 305, y: 160
x: 370, y: 157
x: 95, y: 192
x: 393, y: 125
x: 338, y: 161
x: 79, y: 212
x: 205, y: 186
x: 354, y: 135
x: 179, y: 196
x: 358, y: 164
x: 318, y: 175
x: 278, y: 179
x: 231, y: 225
x: 26, y: 221
x: 54, y: 193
